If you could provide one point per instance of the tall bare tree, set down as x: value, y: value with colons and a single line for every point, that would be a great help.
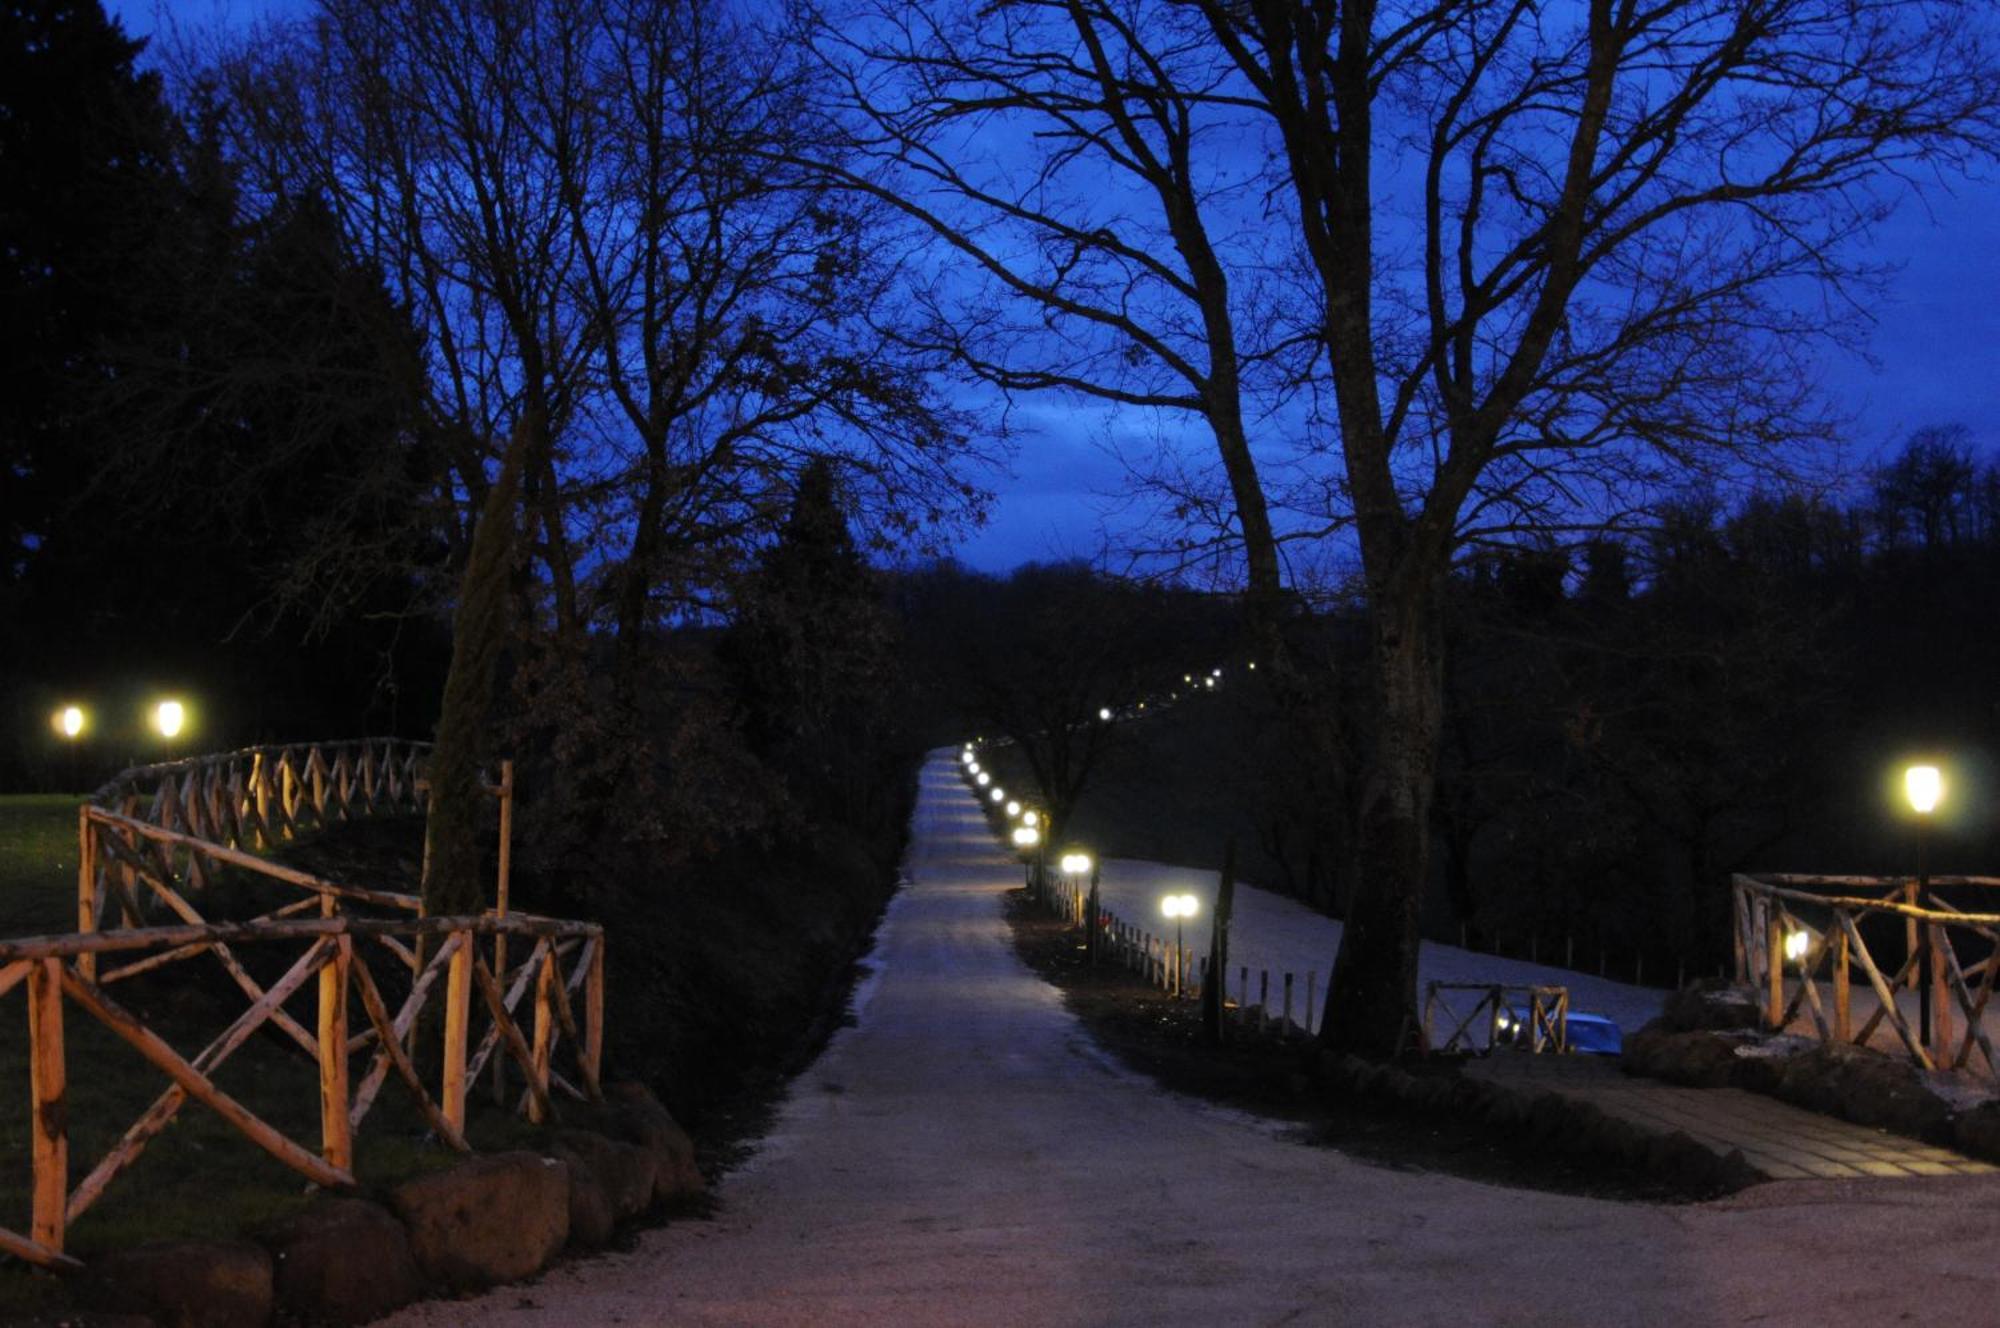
x: 1487, y: 268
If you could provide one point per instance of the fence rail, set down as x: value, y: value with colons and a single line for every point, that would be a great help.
x: 1544, y: 1029
x: 1790, y: 928
x: 155, y: 837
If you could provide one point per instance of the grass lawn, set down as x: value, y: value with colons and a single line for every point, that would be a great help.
x: 199, y: 1177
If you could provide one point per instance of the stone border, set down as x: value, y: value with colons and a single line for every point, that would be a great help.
x: 490, y: 1219
x: 1542, y: 1117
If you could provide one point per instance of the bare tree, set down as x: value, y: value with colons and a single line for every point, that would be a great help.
x: 1492, y: 268
x: 578, y: 200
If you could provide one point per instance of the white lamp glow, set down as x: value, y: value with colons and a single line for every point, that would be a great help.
x: 1924, y: 787
x: 169, y: 717
x: 1026, y: 836
x: 1075, y: 864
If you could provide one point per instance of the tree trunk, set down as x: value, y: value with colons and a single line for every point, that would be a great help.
x: 1371, y: 1004
x: 479, y: 634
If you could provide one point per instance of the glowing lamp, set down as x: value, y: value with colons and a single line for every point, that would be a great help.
x: 965, y: 757
x: 1104, y: 712
x: 1796, y: 945
x: 983, y: 778
x: 1026, y: 836
x: 1075, y: 864
x: 69, y: 721
x: 169, y: 717
x: 999, y: 795
x: 1013, y: 807
x: 1031, y: 817
x: 1924, y: 787
x: 1178, y: 906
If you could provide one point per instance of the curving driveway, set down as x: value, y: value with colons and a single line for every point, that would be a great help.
x: 964, y: 1155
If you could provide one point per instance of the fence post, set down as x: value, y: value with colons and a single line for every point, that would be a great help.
x: 593, y: 1031
x: 48, y: 1123
x: 1312, y: 998
x: 457, y: 1012
x: 1942, y: 1037
x: 1774, y: 967
x: 86, y: 889
x: 1910, y: 938
x: 1843, y: 1019
x: 545, y: 1004
x: 1263, y: 999
x: 1286, y: 1027
x: 336, y: 1137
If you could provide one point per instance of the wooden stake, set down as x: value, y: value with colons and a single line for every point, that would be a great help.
x: 593, y: 1015
x: 48, y: 1119
x: 545, y: 985
x: 86, y: 886
x: 1843, y: 1009
x: 457, y: 1012
x: 336, y: 1138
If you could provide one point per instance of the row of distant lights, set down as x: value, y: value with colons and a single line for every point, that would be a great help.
x: 1027, y: 833
x: 1209, y: 682
x: 166, y: 718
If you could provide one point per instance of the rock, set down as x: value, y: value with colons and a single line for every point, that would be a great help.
x: 342, y: 1261
x: 1709, y: 1004
x: 632, y: 1113
x: 625, y: 1171
x: 591, y: 1219
x: 1700, y: 1060
x: 1977, y: 1131
x: 186, y: 1283
x: 496, y: 1218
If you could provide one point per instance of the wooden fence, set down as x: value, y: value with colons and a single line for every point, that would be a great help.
x: 1172, y: 964
x: 1791, y: 928
x: 1534, y: 1018
x: 137, y: 866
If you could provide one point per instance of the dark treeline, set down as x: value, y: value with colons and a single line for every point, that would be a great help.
x: 1735, y: 689
x: 212, y: 482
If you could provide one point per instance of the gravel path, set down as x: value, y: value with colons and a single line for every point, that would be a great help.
x: 964, y: 1155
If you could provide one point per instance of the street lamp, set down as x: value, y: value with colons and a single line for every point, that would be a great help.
x: 169, y: 718
x: 1180, y: 908
x: 1026, y: 837
x: 1013, y: 807
x: 982, y: 777
x: 1104, y: 713
x: 999, y: 795
x: 1796, y: 945
x: 70, y: 721
x: 1074, y: 863
x: 1924, y: 787
x: 1031, y: 817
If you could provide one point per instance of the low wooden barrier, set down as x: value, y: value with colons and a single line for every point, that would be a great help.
x: 144, y: 857
x: 1827, y: 915
x: 336, y: 954
x: 1173, y: 965
x: 1544, y: 1030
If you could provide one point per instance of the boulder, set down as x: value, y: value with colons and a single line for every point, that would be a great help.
x: 342, y: 1261
x: 625, y: 1171
x: 591, y: 1219
x: 1977, y: 1131
x: 496, y: 1218
x: 186, y: 1283
x: 1711, y: 1004
x: 1698, y: 1059
x: 633, y: 1114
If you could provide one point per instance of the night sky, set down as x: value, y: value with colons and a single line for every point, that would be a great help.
x: 1936, y: 343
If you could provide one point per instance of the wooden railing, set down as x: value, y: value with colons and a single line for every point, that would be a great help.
x: 143, y: 858
x: 1498, y: 1014
x: 1823, y: 918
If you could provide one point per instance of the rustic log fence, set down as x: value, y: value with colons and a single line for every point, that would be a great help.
x: 1788, y: 929
x: 143, y: 856
x: 1533, y: 1018
x: 1180, y: 972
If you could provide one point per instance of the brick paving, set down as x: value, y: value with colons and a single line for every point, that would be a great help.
x: 1780, y: 1141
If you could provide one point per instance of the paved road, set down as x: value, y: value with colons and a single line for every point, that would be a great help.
x: 965, y: 1156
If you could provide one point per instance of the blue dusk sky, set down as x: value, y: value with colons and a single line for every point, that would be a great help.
x: 1935, y: 343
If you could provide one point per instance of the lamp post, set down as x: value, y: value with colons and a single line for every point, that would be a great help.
x: 1924, y: 787
x: 70, y: 722
x: 1180, y: 908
